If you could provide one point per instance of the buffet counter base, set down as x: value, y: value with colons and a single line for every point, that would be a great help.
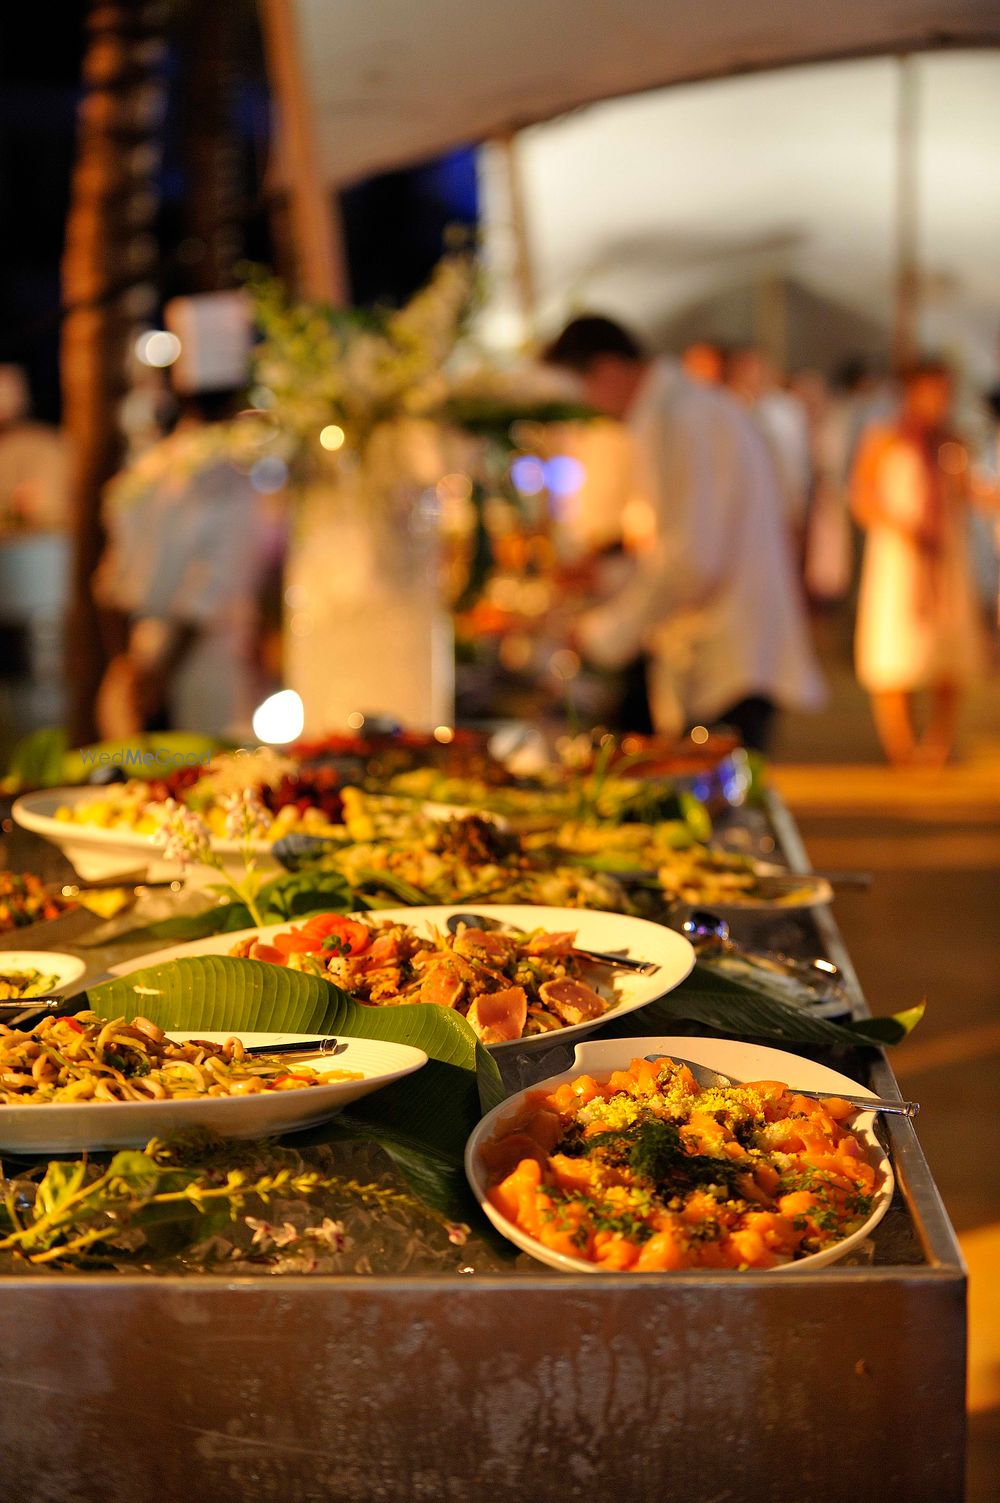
x: 811, y: 1387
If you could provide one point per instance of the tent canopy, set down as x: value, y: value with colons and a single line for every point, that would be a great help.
x: 395, y: 81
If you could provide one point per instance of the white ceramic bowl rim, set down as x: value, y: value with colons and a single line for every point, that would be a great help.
x: 602, y: 1056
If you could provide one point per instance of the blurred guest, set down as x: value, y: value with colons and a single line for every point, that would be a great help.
x: 714, y: 600
x: 828, y: 563
x: 179, y: 584
x: 753, y: 379
x: 856, y: 399
x: 704, y: 363
x: 34, y: 462
x: 917, y: 625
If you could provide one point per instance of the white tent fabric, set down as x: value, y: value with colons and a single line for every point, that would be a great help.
x: 395, y: 81
x: 762, y: 208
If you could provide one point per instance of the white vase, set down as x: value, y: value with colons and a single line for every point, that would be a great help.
x: 365, y: 630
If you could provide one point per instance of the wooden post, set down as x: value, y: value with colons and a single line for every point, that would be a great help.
x: 313, y: 210
x: 108, y: 271
x: 906, y: 323
x: 524, y: 276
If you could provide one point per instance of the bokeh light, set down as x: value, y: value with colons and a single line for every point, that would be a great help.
x: 269, y: 475
x: 279, y: 719
x: 527, y: 474
x: 158, y: 348
x: 563, y: 475
x: 332, y: 437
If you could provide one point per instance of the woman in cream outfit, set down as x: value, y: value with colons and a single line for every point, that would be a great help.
x: 917, y: 625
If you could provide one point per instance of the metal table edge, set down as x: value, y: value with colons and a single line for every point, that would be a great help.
x: 930, y: 1218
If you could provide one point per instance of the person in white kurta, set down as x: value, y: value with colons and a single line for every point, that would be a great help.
x: 184, y: 565
x: 918, y: 625
x: 715, y: 600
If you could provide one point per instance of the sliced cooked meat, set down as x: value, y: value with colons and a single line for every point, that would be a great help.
x: 442, y: 985
x: 499, y: 1017
x: 479, y: 944
x: 572, y: 1001
x: 550, y: 945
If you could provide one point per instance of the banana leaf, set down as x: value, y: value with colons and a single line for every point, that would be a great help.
x: 422, y: 1122
x: 296, y: 895
x: 285, y: 899
x: 223, y: 918
x: 38, y: 758
x: 749, y: 1011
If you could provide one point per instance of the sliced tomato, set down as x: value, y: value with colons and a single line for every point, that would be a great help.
x: 294, y: 942
x: 352, y: 935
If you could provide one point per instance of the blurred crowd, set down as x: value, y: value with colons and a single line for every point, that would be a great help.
x: 720, y: 505
x: 757, y: 488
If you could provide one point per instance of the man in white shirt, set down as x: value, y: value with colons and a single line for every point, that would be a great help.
x: 752, y: 379
x: 714, y: 601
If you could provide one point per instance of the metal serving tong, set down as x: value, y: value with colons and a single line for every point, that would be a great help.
x: 15, y: 1010
x: 599, y: 957
x: 309, y: 1049
x: 714, y: 1078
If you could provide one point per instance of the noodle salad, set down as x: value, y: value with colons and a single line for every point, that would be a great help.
x: 87, y: 1058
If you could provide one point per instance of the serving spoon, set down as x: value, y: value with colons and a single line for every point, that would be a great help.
x: 713, y: 1079
x: 600, y: 957
x: 706, y: 929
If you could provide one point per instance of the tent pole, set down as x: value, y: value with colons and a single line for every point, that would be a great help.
x: 906, y: 325
x: 314, y: 215
x: 524, y: 277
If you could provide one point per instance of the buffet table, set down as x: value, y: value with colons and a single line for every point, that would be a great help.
x: 478, y: 1378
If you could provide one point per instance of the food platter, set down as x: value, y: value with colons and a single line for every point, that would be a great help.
x: 96, y: 853
x: 607, y: 932
x: 58, y: 970
x: 73, y: 1127
x: 732, y: 1057
x: 783, y: 892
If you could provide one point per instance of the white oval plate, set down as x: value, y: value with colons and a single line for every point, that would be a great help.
x: 810, y: 892
x: 76, y: 1126
x: 636, y: 937
x: 95, y: 852
x: 65, y: 968
x: 732, y: 1057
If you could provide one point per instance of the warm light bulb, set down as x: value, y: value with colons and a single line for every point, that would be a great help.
x: 280, y: 718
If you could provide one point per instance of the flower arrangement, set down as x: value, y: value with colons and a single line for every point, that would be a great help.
x: 186, y: 839
x: 317, y: 367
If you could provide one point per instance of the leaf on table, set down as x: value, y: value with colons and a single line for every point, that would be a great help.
x: 422, y: 1122
x: 733, y: 1007
x: 491, y: 1086
x: 223, y: 918
x: 389, y: 882
x: 892, y: 1029
x: 37, y: 759
x: 296, y: 895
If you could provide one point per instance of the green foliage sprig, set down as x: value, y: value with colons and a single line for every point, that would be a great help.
x: 191, y: 1185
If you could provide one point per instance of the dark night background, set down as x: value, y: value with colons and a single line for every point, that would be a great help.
x: 41, y: 49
